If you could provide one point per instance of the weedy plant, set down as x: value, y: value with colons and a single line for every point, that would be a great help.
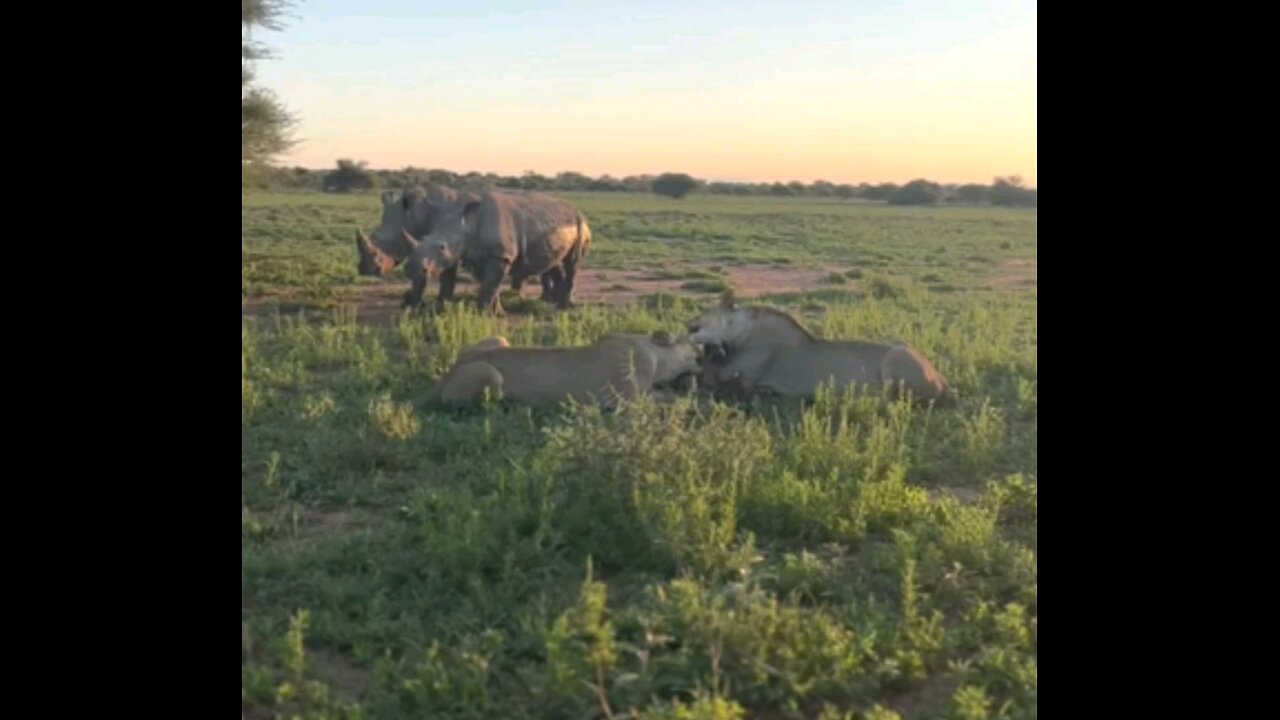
x: 845, y: 557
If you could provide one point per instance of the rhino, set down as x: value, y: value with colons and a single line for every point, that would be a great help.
x: 499, y: 234
x: 415, y: 211
x: 413, y: 214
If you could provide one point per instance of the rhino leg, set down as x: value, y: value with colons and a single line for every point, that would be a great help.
x: 518, y: 276
x: 413, y: 296
x: 564, y: 288
x: 551, y: 279
x: 491, y: 279
x: 448, y: 281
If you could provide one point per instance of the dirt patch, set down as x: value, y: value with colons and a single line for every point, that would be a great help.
x: 348, y: 682
x: 380, y: 303
x: 620, y: 287
x: 328, y: 522
x: 756, y: 280
x: 1013, y: 273
x: 373, y: 304
x: 927, y: 699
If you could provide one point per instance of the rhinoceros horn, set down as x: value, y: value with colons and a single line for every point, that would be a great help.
x: 409, y: 241
x: 363, y: 244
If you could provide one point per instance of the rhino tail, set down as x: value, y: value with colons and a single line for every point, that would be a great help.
x: 584, y: 238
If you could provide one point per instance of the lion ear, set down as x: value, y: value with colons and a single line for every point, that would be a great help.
x: 662, y: 337
x: 727, y: 300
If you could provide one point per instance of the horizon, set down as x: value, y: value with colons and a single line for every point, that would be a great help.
x: 882, y: 92
x: 616, y: 176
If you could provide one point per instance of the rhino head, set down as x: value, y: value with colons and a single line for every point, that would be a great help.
x: 442, y: 248
x: 411, y: 212
x: 373, y: 261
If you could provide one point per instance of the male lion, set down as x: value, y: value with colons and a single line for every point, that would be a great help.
x: 616, y: 366
x: 768, y: 350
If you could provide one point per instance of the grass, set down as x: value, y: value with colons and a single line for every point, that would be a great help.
x: 297, y: 248
x: 845, y: 557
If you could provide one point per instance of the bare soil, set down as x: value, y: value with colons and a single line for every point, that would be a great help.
x: 1014, y: 273
x: 379, y: 303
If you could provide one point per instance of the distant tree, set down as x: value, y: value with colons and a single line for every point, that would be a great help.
x: 971, y: 193
x: 880, y: 192
x: 917, y: 192
x: 349, y: 176
x: 533, y: 181
x: 266, y: 126
x: 1009, y: 191
x: 821, y: 188
x: 571, y: 181
x: 607, y: 183
x: 846, y: 191
x: 674, y: 185
x: 638, y: 183
x: 781, y: 190
x: 797, y: 188
x: 443, y: 177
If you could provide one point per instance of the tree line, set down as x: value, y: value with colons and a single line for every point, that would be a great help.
x: 351, y: 176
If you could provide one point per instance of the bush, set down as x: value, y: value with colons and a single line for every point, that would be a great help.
x: 972, y: 193
x: 879, y: 192
x: 917, y: 192
x: 674, y: 185
x: 350, y: 176
x: 1009, y: 191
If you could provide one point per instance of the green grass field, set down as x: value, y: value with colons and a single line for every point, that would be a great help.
x: 845, y: 558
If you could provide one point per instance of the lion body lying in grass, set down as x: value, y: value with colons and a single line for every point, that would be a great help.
x: 616, y: 366
x: 762, y: 350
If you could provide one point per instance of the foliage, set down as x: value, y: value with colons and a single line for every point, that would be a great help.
x: 266, y: 125
x: 348, y: 176
x: 847, y: 557
x: 674, y: 185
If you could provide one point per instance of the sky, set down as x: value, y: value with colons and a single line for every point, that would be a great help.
x: 749, y: 90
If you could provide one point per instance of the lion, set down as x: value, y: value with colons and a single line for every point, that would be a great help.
x: 617, y: 366
x: 762, y: 350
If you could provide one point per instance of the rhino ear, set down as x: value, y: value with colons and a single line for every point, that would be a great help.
x: 662, y: 338
x: 409, y: 242
x: 469, y: 211
x: 727, y: 299
x: 388, y: 197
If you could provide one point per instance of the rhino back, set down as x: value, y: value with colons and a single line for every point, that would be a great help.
x: 424, y: 215
x: 547, y: 226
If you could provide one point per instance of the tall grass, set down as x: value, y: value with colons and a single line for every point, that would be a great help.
x: 845, y: 557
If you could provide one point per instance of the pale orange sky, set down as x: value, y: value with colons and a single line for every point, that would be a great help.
x: 875, y: 94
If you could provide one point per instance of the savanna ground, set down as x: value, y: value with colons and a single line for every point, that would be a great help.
x: 845, y: 558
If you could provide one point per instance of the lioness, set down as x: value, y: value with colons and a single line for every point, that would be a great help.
x: 615, y: 366
x: 769, y: 350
